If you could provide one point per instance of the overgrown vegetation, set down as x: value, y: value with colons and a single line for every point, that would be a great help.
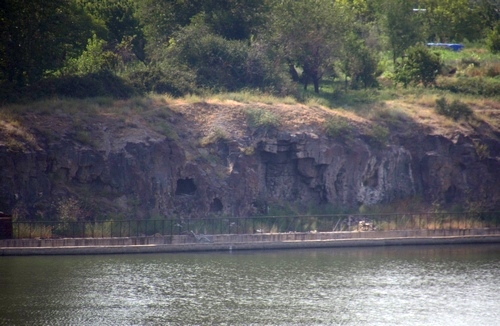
x: 379, y: 135
x: 262, y: 119
x: 215, y: 136
x: 338, y: 127
x: 122, y: 48
x: 420, y: 66
x: 455, y: 110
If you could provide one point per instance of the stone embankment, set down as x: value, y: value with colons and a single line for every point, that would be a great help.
x: 229, y: 242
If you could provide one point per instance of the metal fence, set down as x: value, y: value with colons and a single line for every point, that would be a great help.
x: 259, y: 224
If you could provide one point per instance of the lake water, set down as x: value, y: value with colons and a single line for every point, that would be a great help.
x: 425, y: 285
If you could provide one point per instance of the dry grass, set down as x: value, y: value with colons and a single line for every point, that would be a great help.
x: 15, y: 136
x: 217, y: 134
x: 204, y: 116
x: 30, y: 231
x: 429, y: 222
x: 248, y: 97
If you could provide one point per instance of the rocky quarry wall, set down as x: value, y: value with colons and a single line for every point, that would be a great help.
x: 151, y: 176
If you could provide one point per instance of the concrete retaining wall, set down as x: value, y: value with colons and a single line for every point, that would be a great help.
x: 183, y: 243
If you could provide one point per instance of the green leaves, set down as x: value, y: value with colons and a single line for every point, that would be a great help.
x: 420, y: 66
x: 455, y: 110
x: 307, y: 34
x: 493, y: 39
x: 36, y: 35
x: 95, y: 58
x: 402, y: 26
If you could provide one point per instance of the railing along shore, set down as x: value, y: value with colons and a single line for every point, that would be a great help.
x: 255, y: 224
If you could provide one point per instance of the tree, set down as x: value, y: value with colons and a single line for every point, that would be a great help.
x: 307, y: 34
x: 37, y: 35
x: 358, y: 62
x: 234, y: 19
x: 217, y: 62
x: 488, y: 11
x: 94, y: 59
x: 121, y: 22
x: 161, y: 18
x: 453, y: 20
x: 493, y: 39
x: 403, y: 27
x: 364, y: 11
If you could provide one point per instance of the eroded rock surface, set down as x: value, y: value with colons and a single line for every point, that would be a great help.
x: 135, y: 172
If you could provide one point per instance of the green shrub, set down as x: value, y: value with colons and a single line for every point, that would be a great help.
x: 216, y: 62
x: 215, y: 136
x: 359, y: 63
x: 379, y: 135
x: 471, y: 85
x: 102, y: 84
x: 337, y: 127
x: 84, y: 137
x: 163, y: 78
x: 455, y: 110
x: 493, y: 39
x: 420, y: 66
x: 259, y: 118
x: 221, y: 64
x: 93, y: 60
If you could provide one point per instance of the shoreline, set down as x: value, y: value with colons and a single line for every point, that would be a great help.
x: 230, y: 242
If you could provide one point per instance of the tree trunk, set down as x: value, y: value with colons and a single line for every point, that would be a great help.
x: 316, y: 85
x: 293, y: 72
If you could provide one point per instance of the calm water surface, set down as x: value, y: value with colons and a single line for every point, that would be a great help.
x: 445, y: 285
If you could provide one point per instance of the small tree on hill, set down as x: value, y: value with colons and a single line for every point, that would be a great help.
x: 420, y: 66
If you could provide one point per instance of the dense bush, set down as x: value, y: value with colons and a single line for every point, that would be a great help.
x: 359, y: 63
x: 91, y: 85
x: 378, y: 135
x: 103, y: 83
x: 262, y: 119
x: 454, y: 110
x: 338, y: 127
x: 493, y: 39
x: 163, y: 79
x: 263, y: 72
x: 420, y: 66
x: 217, y: 63
x: 471, y: 85
x: 223, y: 65
x: 93, y: 60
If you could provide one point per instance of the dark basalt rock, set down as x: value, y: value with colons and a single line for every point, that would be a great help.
x: 153, y: 176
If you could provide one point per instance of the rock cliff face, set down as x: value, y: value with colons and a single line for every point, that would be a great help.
x: 133, y: 171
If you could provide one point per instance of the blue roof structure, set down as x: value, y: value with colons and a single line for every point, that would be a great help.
x: 452, y: 46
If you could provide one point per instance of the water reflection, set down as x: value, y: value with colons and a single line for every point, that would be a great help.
x: 446, y: 285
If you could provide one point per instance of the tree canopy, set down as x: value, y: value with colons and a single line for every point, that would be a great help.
x: 228, y: 44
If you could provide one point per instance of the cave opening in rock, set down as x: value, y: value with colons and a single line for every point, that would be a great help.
x: 216, y: 206
x: 185, y: 187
